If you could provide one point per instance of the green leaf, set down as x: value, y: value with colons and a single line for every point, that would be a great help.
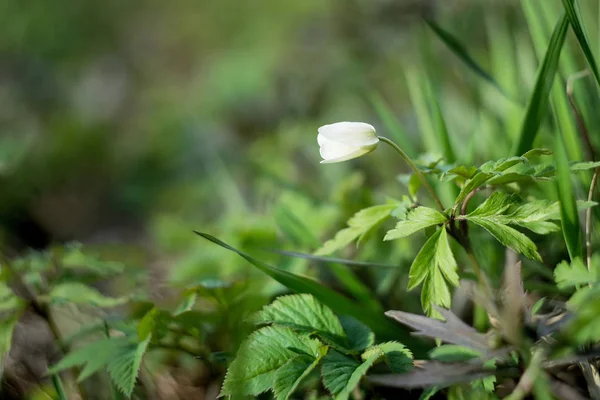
x: 397, y: 357
x: 7, y: 326
x: 359, y: 335
x: 289, y: 376
x: 574, y: 274
x: 303, y: 313
x: 341, y: 374
x: 453, y: 353
x: 93, y: 356
x: 124, y: 367
x: 260, y: 356
x: 584, y: 165
x: 476, y: 181
x: 497, y: 203
x: 570, y: 8
x: 78, y: 293
x: 433, y: 263
x: 537, y: 106
x: 74, y: 258
x: 8, y: 300
x: 359, y: 225
x: 537, y: 152
x: 338, y: 303
x: 568, y: 207
x: 508, y: 236
x: 417, y: 219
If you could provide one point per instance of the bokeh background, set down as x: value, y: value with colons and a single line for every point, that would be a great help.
x: 127, y: 125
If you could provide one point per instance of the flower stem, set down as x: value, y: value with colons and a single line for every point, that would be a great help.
x: 415, y: 170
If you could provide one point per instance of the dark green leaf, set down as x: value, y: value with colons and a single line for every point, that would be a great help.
x: 341, y: 374
x: 359, y: 335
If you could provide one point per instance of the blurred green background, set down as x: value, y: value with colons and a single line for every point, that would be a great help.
x: 127, y: 125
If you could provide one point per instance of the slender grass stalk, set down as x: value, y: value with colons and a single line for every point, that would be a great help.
x: 416, y: 170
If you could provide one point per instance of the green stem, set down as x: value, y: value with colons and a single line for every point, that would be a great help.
x: 415, y: 170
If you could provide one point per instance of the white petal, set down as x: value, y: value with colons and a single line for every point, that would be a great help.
x: 333, y: 150
x: 360, y: 151
x: 350, y: 133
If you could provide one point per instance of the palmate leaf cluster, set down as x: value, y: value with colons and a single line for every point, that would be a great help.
x: 301, y: 337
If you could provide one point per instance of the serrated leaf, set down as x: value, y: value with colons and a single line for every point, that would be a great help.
x: 434, y: 265
x: 508, y: 236
x: 259, y: 357
x: 453, y: 353
x: 537, y: 152
x: 497, y: 203
x: 476, y: 181
x: 291, y: 374
x: 78, y: 293
x: 574, y: 274
x: 358, y: 225
x: 359, y: 335
x: 74, y: 258
x: 341, y: 374
x: 93, y: 356
x: 304, y: 313
x: 416, y: 220
x: 397, y: 357
x: 123, y: 369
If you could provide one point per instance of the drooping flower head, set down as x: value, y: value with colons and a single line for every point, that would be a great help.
x: 344, y: 141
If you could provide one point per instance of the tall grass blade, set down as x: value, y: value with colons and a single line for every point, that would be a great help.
x: 538, y: 102
x: 461, y: 52
x: 575, y: 21
x: 390, y: 122
x: 568, y: 206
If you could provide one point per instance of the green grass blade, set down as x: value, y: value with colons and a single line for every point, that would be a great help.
x: 568, y: 207
x: 538, y: 102
x: 461, y: 52
x: 382, y: 326
x: 575, y: 21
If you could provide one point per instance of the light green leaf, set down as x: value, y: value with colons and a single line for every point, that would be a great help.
x: 260, y: 356
x: 304, y: 313
x: 537, y: 152
x: 291, y: 374
x: 397, y: 357
x: 359, y: 335
x: 124, y: 367
x: 341, y: 374
x: 584, y: 165
x: 574, y: 274
x: 7, y: 326
x: 417, y: 219
x: 78, y: 293
x: 508, y: 236
x: 74, y: 258
x: 93, y: 356
x: 476, y: 181
x: 497, y: 203
x: 453, y: 353
x: 358, y: 225
x: 434, y: 265
x: 8, y: 300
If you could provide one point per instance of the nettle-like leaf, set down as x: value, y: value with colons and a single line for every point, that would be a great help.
x: 416, y: 220
x: 359, y: 225
x: 291, y: 374
x: 125, y: 366
x: 303, y: 313
x: 76, y: 259
x: 453, y: 353
x: 341, y: 374
x: 395, y: 355
x: 435, y: 267
x: 489, y: 216
x: 78, y: 293
x: 260, y: 356
x: 576, y: 274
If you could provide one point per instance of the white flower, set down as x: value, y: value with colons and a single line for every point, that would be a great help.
x: 346, y: 140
